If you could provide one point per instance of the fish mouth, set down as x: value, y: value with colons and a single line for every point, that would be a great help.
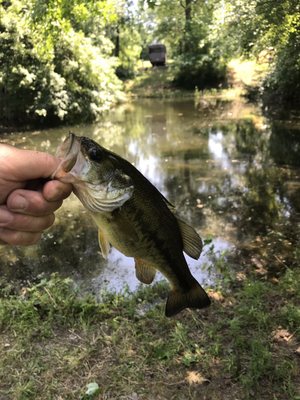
x: 68, y: 152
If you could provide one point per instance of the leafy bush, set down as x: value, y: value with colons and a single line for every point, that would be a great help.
x: 54, y: 78
x: 199, y: 70
x: 90, y: 81
x: 272, y: 27
x: 21, y: 72
x: 283, y: 84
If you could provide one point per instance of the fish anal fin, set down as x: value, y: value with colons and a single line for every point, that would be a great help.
x: 192, y: 243
x: 103, y: 243
x: 145, y: 273
x: 178, y: 300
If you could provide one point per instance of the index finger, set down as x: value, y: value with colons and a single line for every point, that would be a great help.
x: 56, y: 190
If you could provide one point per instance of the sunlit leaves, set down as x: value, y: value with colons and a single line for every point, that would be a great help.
x: 273, y: 27
x: 53, y: 68
x: 185, y: 28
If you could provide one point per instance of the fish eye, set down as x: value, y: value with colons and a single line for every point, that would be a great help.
x: 93, y: 154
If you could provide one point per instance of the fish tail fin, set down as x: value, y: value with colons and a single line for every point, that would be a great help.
x: 195, y: 297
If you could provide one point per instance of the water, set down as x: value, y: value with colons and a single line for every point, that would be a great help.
x: 232, y: 174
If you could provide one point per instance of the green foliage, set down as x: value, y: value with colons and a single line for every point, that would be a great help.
x: 48, y: 301
x: 197, y: 59
x: 283, y: 84
x: 270, y: 28
x: 61, y: 60
x: 91, y: 83
x: 21, y: 73
x: 200, y: 71
x: 51, y: 334
x: 130, y: 50
x: 251, y: 357
x: 50, y: 72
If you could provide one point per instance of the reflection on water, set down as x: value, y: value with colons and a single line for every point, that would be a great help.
x: 231, y: 174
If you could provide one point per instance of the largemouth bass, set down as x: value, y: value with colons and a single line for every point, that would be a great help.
x: 134, y: 217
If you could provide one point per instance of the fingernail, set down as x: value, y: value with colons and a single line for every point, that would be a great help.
x: 18, y: 203
x: 5, y: 217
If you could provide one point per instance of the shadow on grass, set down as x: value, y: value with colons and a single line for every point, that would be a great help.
x: 54, y: 343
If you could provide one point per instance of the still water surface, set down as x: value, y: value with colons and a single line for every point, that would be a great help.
x: 231, y: 173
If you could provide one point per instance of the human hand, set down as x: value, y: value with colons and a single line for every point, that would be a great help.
x: 26, y: 213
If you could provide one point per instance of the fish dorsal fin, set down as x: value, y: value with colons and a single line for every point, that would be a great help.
x: 192, y: 243
x: 103, y: 243
x: 144, y: 272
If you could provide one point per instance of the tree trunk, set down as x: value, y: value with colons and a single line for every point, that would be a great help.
x: 188, y: 13
x: 117, y: 42
x: 187, y: 25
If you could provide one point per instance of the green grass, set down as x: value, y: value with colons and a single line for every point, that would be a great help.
x: 155, y: 83
x: 53, y: 343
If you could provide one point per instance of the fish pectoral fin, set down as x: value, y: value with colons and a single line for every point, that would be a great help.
x: 104, y: 244
x: 178, y: 300
x: 144, y: 272
x: 192, y: 243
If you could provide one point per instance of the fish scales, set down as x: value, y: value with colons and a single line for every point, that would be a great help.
x: 134, y: 217
x: 157, y: 250
x: 147, y: 244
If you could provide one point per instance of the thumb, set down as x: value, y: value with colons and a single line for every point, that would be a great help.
x: 23, y: 165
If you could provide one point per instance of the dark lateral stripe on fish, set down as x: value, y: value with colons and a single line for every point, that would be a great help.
x: 183, y: 275
x: 134, y: 217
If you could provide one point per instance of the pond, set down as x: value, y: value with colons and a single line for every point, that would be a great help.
x: 230, y: 172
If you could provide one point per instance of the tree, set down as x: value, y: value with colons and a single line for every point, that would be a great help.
x: 184, y: 26
x: 124, y: 33
x: 53, y: 68
x: 272, y: 26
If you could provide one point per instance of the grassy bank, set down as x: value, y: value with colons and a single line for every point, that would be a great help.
x: 246, y: 345
x: 154, y: 82
x: 244, y: 78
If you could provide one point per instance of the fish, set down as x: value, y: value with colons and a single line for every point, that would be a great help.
x: 134, y: 217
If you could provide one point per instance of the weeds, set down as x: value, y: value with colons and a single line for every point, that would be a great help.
x: 54, y: 344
